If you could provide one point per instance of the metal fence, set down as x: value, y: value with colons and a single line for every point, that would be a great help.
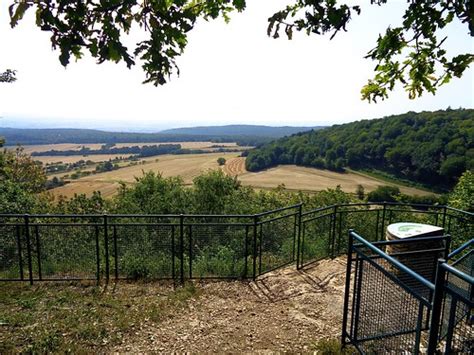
x: 402, y: 297
x: 324, y: 230
x: 178, y: 247
x: 94, y: 247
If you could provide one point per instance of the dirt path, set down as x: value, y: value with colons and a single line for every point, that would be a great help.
x: 286, y: 310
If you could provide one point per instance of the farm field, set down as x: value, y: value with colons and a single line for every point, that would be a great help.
x: 75, y: 146
x: 189, y: 166
x: 311, y: 179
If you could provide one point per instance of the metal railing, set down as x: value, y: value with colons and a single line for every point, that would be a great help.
x: 94, y: 247
x: 403, y: 297
x: 324, y: 230
x: 178, y: 247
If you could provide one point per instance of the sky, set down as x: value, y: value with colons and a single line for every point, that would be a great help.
x: 230, y: 74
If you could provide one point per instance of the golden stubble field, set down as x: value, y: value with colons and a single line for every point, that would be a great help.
x: 191, y: 165
x: 74, y: 146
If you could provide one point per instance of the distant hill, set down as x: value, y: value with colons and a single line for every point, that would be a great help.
x: 242, y: 134
x: 243, y: 130
x: 15, y: 136
x: 433, y: 148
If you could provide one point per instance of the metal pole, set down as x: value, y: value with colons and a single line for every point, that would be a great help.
x: 246, y: 252
x: 333, y: 237
x: 115, y: 253
x: 346, y: 290
x: 383, y: 220
x: 97, y: 252
x: 20, y: 257
x: 255, y: 221
x: 190, y: 252
x: 298, y: 245
x: 28, y: 247
x: 38, y: 253
x: 106, y: 246
x: 444, y: 215
x: 181, y: 241
x: 173, y: 260
x: 436, y: 307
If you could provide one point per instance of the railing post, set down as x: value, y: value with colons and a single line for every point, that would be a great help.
x: 298, y: 247
x: 447, y: 246
x: 97, y: 252
x: 445, y: 210
x: 333, y: 237
x: 28, y: 247
x: 347, y: 288
x: 181, y: 247
x: 106, y: 246
x: 20, y: 256
x: 383, y: 219
x: 38, y: 253
x: 436, y: 307
x: 255, y: 221
x: 115, y: 253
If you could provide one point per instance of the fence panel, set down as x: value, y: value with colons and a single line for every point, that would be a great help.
x: 316, y: 237
x: 217, y: 248
x: 64, y: 251
x: 456, y: 334
x: 143, y: 250
x: 387, y: 305
x: 13, y: 264
x: 277, y: 238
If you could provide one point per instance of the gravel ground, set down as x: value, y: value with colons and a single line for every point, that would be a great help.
x: 283, y: 311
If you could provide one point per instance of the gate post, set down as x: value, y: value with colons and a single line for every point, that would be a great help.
x: 436, y: 307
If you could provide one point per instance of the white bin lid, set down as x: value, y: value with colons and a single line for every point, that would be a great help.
x: 408, y: 230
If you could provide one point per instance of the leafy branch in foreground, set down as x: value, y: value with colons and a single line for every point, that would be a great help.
x: 8, y: 76
x: 412, y: 54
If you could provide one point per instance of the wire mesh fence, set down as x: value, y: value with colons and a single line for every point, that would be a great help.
x: 411, y: 301
x: 66, y: 247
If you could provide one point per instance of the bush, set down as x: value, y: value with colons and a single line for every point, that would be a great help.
x: 221, y: 161
x: 384, y: 194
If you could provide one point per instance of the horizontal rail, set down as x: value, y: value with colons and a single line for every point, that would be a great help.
x: 461, y: 248
x: 458, y: 273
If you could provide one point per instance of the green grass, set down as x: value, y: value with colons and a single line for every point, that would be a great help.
x: 81, y: 317
x: 392, y: 179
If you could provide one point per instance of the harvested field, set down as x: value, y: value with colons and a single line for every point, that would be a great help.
x: 311, y: 179
x: 75, y: 146
x: 188, y: 166
x: 235, y: 166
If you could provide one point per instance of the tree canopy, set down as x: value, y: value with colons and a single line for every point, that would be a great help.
x: 433, y: 148
x: 412, y: 53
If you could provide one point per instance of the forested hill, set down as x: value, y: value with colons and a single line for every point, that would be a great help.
x: 245, y: 130
x: 15, y: 136
x: 434, y: 148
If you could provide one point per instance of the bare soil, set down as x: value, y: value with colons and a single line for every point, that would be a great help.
x: 283, y: 311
